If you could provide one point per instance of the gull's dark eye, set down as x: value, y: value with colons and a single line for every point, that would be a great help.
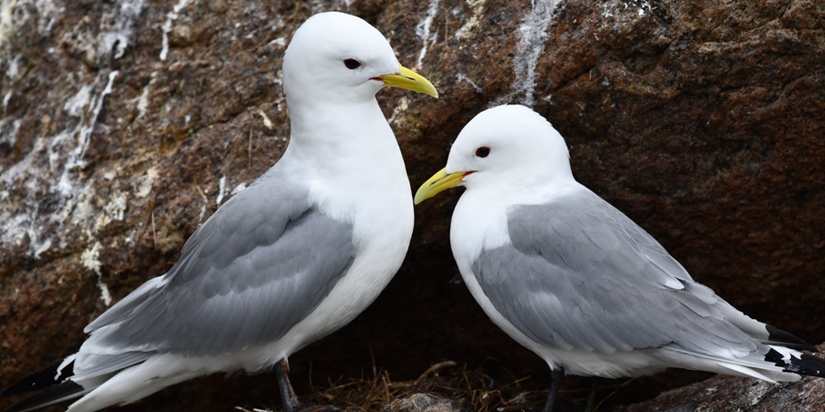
x: 352, y: 64
x: 483, y: 151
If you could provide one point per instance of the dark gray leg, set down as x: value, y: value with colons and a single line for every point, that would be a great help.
x: 288, y: 396
x: 558, y: 375
x: 290, y: 399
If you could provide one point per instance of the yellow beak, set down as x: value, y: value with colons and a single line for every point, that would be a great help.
x: 410, y: 80
x: 440, y: 182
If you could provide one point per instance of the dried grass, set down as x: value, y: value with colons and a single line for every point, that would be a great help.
x: 445, y: 386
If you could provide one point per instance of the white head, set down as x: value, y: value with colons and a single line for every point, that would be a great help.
x: 506, y: 145
x: 338, y: 57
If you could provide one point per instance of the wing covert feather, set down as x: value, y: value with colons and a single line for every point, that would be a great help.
x: 252, y: 271
x: 580, y: 274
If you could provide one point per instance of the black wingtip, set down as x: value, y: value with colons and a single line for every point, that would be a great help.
x: 780, y: 337
x: 41, y: 380
x: 806, y: 365
x: 49, y: 396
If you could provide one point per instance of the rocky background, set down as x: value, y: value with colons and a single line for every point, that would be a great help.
x: 125, y: 124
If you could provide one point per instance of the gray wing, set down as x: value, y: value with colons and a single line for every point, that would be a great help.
x: 581, y: 274
x: 252, y: 271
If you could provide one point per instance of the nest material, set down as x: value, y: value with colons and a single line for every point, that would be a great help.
x: 444, y: 387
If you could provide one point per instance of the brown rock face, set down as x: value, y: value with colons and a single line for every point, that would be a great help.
x: 727, y: 393
x: 125, y: 124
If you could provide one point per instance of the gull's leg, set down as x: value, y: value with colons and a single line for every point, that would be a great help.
x: 558, y: 375
x: 290, y: 399
x: 591, y: 397
x: 288, y: 396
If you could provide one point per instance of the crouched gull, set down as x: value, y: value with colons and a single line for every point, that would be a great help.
x: 295, y: 256
x: 576, y: 281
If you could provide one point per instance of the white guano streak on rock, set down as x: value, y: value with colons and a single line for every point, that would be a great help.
x: 36, y: 247
x: 167, y: 26
x: 8, y: 132
x: 532, y: 34
x: 143, y: 102
x: 6, y: 100
x: 422, y: 30
x: 221, y: 190
x: 14, y: 68
x: 63, y: 157
x: 17, y: 222
x: 144, y: 187
x: 468, y: 29
x: 105, y: 296
x: 463, y: 78
x: 115, y: 209
x: 6, y: 25
x: 121, y: 33
x: 90, y: 260
x: 52, y: 163
x: 398, y: 112
x: 84, y: 132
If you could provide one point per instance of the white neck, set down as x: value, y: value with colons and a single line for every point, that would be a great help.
x: 334, y: 131
x: 348, y: 155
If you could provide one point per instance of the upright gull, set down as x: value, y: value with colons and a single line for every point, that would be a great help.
x: 576, y: 281
x: 295, y: 256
